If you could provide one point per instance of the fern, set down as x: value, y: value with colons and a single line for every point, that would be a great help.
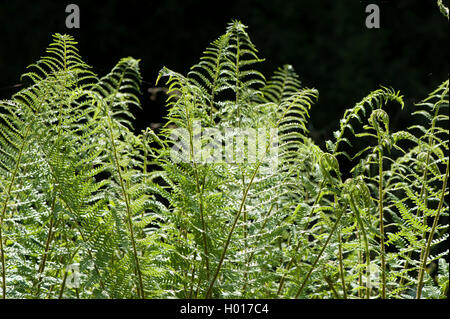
x: 230, y: 199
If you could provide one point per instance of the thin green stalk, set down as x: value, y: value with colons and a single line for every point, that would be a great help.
x: 423, y: 189
x: 244, y: 226
x: 127, y: 204
x: 250, y: 258
x: 86, y: 240
x: 360, y: 261
x: 313, y: 266
x: 46, y: 249
x: 199, y: 191
x: 341, y: 267
x: 191, y: 289
x: 63, y: 285
x: 233, y: 226
x: 52, y: 210
x: 380, y: 205
x: 297, y: 247
x: 230, y: 233
x: 426, y: 252
x: 330, y: 284
x: 5, y: 205
x: 366, y: 245
x: 213, y: 88
x: 238, y: 53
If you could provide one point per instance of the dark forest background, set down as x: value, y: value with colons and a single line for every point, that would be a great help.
x: 326, y: 42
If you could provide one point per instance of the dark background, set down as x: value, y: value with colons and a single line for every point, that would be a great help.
x: 326, y: 42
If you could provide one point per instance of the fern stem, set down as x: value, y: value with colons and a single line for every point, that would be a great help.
x: 330, y: 284
x: 52, y: 210
x: 202, y: 217
x: 230, y: 233
x: 128, y: 209
x: 366, y: 245
x: 191, y: 289
x: 46, y: 249
x: 423, y: 190
x: 426, y: 252
x: 199, y: 190
x: 297, y: 247
x: 380, y: 205
x: 238, y: 54
x: 250, y: 258
x: 244, y: 226
x: 5, y: 205
x: 63, y: 285
x: 360, y: 261
x: 2, y: 255
x: 313, y: 266
x: 213, y: 89
x: 341, y: 267
x: 421, y: 195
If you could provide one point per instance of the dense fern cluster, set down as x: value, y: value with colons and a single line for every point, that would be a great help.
x: 80, y: 190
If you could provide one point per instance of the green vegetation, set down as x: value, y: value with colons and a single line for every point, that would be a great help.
x: 78, y: 186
